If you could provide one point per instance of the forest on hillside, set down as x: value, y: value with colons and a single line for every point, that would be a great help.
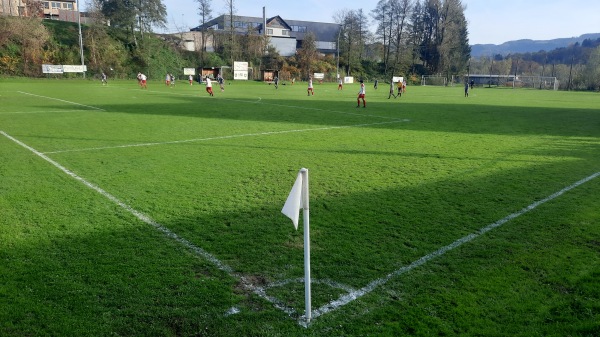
x: 577, y: 66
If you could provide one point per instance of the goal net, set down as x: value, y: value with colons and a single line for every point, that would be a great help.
x: 434, y: 80
x: 530, y: 82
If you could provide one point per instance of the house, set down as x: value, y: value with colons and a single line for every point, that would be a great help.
x: 285, y: 35
x: 46, y: 9
x: 53, y: 9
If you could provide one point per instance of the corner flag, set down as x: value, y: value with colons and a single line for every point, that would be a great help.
x: 297, y: 199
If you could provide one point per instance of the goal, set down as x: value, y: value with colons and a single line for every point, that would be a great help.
x: 434, y: 80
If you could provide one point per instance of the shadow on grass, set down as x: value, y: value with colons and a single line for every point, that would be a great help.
x: 454, y: 116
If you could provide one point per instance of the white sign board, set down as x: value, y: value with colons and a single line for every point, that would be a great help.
x: 348, y: 79
x: 189, y: 71
x: 74, y: 68
x: 240, y: 75
x: 52, y: 69
x: 319, y: 76
x: 240, y: 70
x: 397, y: 79
x: 240, y: 66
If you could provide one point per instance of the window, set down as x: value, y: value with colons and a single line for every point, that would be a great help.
x: 55, y: 5
x: 242, y: 24
x: 300, y: 29
x: 46, y: 5
x: 285, y: 32
x: 269, y: 31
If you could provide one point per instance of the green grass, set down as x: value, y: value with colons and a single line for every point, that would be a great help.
x: 389, y: 184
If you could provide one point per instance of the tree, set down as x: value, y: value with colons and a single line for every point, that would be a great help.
x: 401, y: 11
x: 353, y: 36
x: 232, y: 48
x: 454, y: 49
x: 383, y: 16
x: 132, y: 14
x: 393, y: 18
x: 204, y: 11
x: 307, y: 54
x: 592, y: 73
x: 104, y: 52
x: 23, y: 42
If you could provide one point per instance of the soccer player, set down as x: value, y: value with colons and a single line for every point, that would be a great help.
x: 209, y: 86
x: 221, y: 82
x: 191, y: 79
x: 104, y: 79
x: 310, y: 86
x: 340, y: 83
x: 143, y: 79
x: 391, y: 89
x: 361, y: 95
x: 168, y: 80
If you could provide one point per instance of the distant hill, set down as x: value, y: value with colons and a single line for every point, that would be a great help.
x: 527, y: 46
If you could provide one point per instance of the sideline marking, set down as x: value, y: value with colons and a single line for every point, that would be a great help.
x: 351, y: 296
x: 60, y: 100
x: 223, y: 137
x: 261, y: 291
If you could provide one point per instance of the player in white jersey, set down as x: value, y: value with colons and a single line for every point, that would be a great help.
x: 361, y: 95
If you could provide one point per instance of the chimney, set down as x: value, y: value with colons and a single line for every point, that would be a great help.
x: 264, y: 21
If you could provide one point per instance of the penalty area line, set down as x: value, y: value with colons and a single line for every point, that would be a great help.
x: 60, y: 100
x: 268, y: 133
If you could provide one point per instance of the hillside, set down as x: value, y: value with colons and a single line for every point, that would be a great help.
x: 527, y: 46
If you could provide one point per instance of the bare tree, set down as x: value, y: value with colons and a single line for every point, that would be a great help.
x: 204, y: 11
x: 231, y: 43
x: 307, y: 54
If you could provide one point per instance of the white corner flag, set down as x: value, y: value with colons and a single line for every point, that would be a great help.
x: 297, y: 199
x: 294, y: 201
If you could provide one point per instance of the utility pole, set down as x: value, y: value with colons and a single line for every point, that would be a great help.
x: 338, y: 53
x: 80, y: 38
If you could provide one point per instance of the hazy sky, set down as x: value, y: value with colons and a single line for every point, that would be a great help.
x: 490, y: 21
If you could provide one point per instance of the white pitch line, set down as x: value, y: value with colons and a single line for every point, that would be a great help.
x: 60, y: 100
x: 223, y: 137
x: 260, y: 291
x: 347, y: 298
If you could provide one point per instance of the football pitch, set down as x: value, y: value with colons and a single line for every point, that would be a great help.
x: 157, y: 212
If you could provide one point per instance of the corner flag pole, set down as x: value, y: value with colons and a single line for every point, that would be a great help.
x: 298, y: 198
x: 305, y: 217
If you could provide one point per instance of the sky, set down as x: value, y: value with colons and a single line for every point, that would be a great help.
x: 489, y: 21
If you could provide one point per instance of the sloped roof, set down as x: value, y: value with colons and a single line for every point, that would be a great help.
x: 277, y: 21
x: 323, y: 31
